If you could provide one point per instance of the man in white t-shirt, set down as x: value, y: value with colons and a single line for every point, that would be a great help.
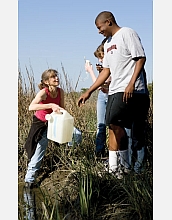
x: 128, y: 97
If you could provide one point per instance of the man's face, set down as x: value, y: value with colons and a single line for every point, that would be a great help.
x: 103, y: 27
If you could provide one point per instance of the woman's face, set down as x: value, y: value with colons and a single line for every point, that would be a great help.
x: 53, y: 80
x: 101, y: 56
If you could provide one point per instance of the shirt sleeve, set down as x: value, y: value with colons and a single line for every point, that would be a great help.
x: 134, y: 44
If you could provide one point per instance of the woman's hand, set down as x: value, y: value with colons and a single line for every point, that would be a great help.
x: 103, y: 89
x: 88, y: 67
x: 99, y: 67
x: 56, y: 108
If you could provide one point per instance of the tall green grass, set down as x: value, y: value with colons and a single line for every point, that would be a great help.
x: 70, y: 184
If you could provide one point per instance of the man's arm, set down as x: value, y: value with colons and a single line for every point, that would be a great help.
x: 130, y: 88
x: 104, y: 74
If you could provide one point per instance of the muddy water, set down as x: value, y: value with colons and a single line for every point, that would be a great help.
x: 36, y: 196
x: 29, y: 200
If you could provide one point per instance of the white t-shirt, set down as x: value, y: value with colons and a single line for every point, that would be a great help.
x: 119, y: 51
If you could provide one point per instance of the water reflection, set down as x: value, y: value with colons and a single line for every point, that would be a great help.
x: 30, y: 205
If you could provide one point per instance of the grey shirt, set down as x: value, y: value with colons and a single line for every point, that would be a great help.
x: 119, y: 51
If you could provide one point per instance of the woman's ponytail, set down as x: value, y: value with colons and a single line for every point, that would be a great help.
x: 41, y: 85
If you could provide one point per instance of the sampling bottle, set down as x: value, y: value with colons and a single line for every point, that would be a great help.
x: 60, y: 126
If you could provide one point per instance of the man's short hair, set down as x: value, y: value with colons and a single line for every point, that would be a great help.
x: 105, y: 15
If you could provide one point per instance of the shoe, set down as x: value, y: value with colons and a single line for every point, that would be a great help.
x: 138, y: 168
x: 117, y: 173
x: 122, y: 169
x: 127, y: 170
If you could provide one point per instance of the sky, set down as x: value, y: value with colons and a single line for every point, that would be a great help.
x: 52, y: 34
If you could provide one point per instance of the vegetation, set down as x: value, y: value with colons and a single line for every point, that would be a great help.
x: 70, y: 184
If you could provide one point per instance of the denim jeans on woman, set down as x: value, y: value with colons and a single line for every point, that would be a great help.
x: 101, y: 126
x: 35, y: 162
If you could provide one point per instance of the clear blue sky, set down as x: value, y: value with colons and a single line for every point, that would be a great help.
x: 54, y: 32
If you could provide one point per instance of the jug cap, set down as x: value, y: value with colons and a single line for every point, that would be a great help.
x: 48, y: 117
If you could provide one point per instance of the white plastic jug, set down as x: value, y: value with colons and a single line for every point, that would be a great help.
x: 60, y: 127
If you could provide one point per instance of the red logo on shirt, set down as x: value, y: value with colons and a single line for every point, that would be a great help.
x: 111, y: 48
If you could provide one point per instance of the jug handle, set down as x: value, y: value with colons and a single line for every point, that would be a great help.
x: 58, y: 112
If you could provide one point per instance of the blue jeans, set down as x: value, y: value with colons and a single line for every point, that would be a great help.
x: 36, y: 159
x: 35, y: 162
x: 76, y: 138
x: 101, y: 126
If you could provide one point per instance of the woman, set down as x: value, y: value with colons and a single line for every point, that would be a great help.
x: 50, y: 98
x: 101, y: 101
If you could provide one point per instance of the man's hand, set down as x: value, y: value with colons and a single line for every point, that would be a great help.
x: 83, y: 98
x: 128, y: 93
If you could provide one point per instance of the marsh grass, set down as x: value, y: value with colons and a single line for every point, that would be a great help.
x: 70, y: 186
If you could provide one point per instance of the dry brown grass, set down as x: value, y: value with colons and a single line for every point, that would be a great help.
x: 70, y: 175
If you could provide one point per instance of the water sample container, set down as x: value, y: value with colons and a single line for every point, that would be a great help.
x: 87, y: 61
x: 60, y: 127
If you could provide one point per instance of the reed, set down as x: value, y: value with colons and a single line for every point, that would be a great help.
x: 70, y: 186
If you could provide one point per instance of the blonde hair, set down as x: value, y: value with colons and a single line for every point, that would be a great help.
x: 45, y: 76
x: 99, y: 53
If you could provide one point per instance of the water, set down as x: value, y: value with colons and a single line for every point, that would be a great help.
x: 29, y: 200
x: 30, y: 205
